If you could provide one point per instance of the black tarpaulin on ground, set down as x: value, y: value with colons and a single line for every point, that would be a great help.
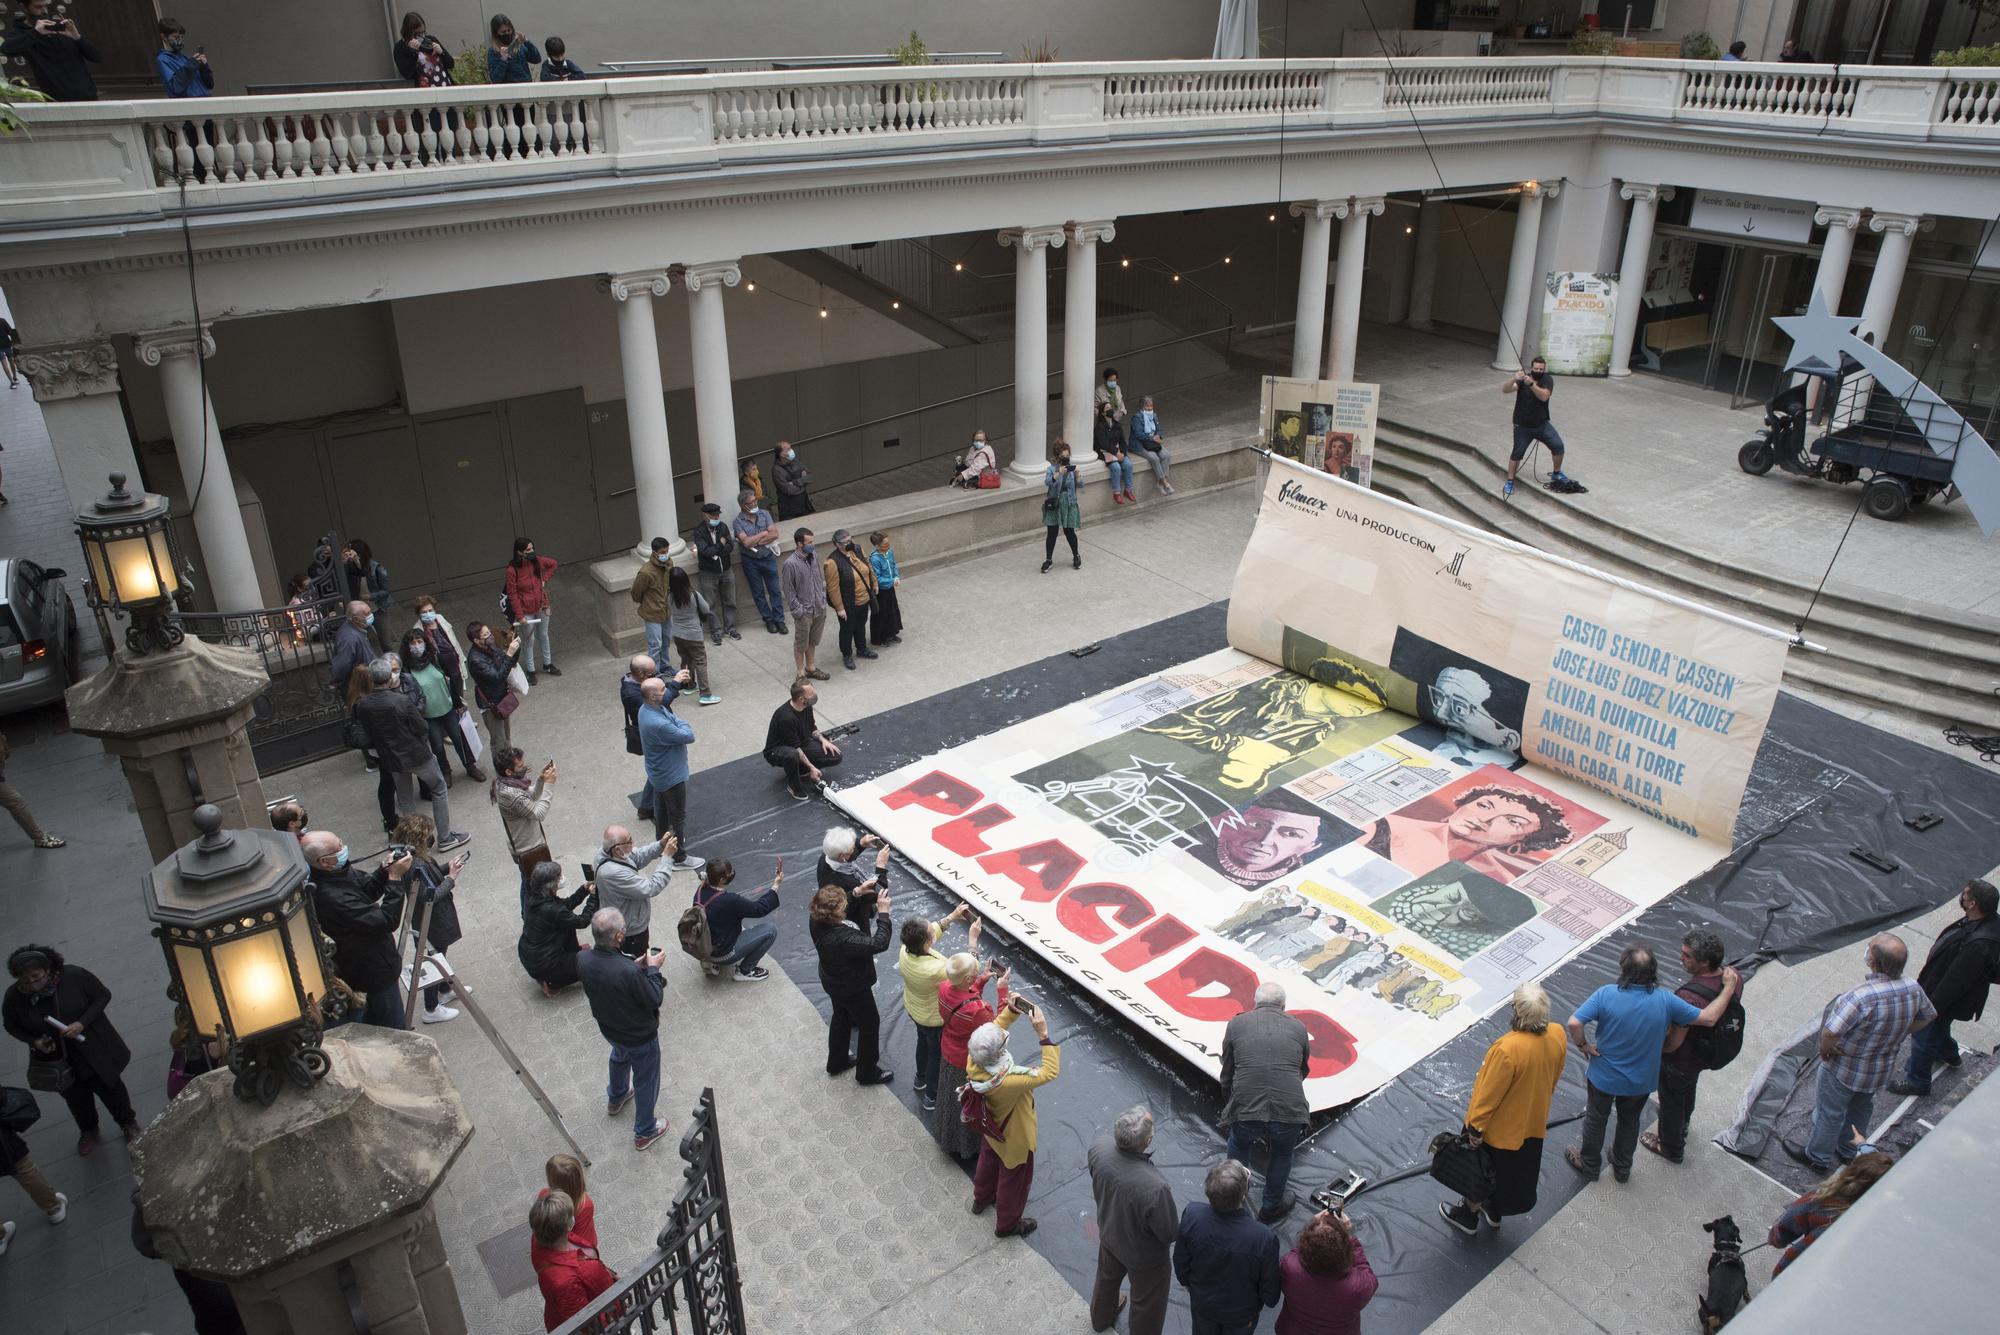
x: 1822, y: 785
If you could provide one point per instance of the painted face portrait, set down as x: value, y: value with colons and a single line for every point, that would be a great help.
x: 1491, y: 820
x: 1263, y: 843
x: 1458, y: 701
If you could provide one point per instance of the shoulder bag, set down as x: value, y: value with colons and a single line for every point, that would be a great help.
x: 989, y: 479
x: 1461, y: 1166
x: 51, y: 1075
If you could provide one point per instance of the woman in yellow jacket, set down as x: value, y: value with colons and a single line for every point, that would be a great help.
x: 922, y: 968
x: 1509, y: 1111
x: 1007, y: 1163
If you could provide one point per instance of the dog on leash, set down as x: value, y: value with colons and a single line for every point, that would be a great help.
x: 1728, y: 1288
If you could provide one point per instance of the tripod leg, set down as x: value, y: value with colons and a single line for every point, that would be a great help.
x: 416, y: 965
x: 507, y: 1055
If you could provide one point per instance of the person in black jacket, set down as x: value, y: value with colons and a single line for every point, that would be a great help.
x: 729, y: 940
x: 847, y: 972
x: 489, y: 665
x: 55, y: 52
x: 795, y: 744
x: 45, y: 989
x: 402, y: 742
x: 422, y: 59
x: 361, y: 914
x: 715, y: 547
x: 625, y: 999
x: 435, y: 884
x: 1963, y: 964
x: 548, y: 946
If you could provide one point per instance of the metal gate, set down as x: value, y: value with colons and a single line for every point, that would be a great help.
x: 689, y: 1285
x: 299, y: 717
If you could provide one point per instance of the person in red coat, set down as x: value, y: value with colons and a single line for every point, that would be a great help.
x: 1326, y: 1279
x: 571, y: 1277
x: 528, y: 607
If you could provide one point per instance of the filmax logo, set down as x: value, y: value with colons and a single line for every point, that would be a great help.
x: 1292, y: 494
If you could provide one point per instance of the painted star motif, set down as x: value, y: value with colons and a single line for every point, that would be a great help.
x: 1819, y: 336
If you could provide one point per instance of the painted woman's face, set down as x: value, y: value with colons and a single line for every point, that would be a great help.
x: 1492, y: 821
x: 1261, y: 839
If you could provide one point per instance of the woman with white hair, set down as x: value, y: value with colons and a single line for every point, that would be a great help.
x: 840, y: 864
x: 1007, y: 1161
x: 1509, y: 1111
x: 962, y: 1006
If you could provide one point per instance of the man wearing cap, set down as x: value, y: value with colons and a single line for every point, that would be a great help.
x: 757, y: 538
x: 713, y: 546
x: 649, y: 590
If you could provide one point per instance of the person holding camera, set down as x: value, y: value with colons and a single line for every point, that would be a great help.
x: 1108, y: 443
x: 55, y: 51
x: 181, y: 74
x: 421, y: 58
x: 1326, y: 1279
x: 625, y: 997
x: 416, y: 835
x: 847, y: 972
x: 1059, y: 507
x: 360, y: 912
x: 508, y: 54
x: 548, y: 947
x: 623, y: 883
x: 1006, y: 1167
x: 840, y: 864
x: 962, y: 1005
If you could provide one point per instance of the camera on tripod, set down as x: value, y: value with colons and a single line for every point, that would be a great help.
x: 1335, y: 1194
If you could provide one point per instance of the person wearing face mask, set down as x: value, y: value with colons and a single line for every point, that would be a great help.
x: 687, y: 611
x: 352, y: 645
x: 528, y: 604
x: 1059, y: 507
x: 421, y: 58
x: 440, y: 636
x: 524, y: 804
x: 361, y: 912
x: 976, y: 461
x: 790, y: 475
x: 57, y: 1009
x: 1108, y: 393
x: 368, y: 580
x: 714, y: 545
x: 182, y: 75
x: 490, y: 662
x: 649, y: 591
x: 443, y: 707
x: 757, y: 539
x: 1108, y: 444
x: 805, y: 598
x: 396, y: 730
x: 508, y: 54
x: 850, y: 588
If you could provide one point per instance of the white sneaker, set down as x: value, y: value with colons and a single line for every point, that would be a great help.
x: 61, y: 1212
x: 440, y: 1015
x: 6, y: 1235
x: 689, y: 862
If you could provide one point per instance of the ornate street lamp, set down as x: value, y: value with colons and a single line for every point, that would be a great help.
x: 134, y: 565
x: 235, y: 916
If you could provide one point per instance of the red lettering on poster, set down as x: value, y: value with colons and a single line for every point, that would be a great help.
x: 1331, y: 1048
x: 1200, y: 971
x: 1042, y: 870
x: 936, y: 791
x: 964, y: 835
x: 1082, y: 909
x: 1163, y: 937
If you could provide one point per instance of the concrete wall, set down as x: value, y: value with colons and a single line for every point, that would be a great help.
x: 1475, y: 237
x: 284, y: 42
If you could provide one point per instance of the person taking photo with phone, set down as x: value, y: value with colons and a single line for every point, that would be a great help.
x: 1006, y: 1166
x: 55, y: 51
x: 625, y: 999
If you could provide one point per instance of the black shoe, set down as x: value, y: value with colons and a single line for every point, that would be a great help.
x: 783, y: 629
x: 881, y: 1077
x: 1486, y: 1213
x: 929, y: 1102
x: 799, y: 794
x: 1954, y: 1060
x: 732, y: 633
x: 534, y: 678
x: 1020, y: 1230
x: 1046, y: 566
x: 1906, y: 1089
x: 1276, y: 1212
x: 645, y: 814
x: 1076, y: 563
x: 552, y: 669
x: 771, y: 627
x: 1620, y: 1174
x: 1799, y: 1155
x: 1464, y: 1220
x: 866, y: 653
x: 715, y: 640
x: 848, y: 662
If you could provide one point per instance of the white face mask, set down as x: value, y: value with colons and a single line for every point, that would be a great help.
x: 416, y: 651
x: 664, y: 559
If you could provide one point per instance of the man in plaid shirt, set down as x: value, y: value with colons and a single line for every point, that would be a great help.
x: 1863, y: 1030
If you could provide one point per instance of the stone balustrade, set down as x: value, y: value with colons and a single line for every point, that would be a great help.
x: 96, y: 161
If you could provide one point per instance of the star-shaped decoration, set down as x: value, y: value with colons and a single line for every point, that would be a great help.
x: 1819, y: 336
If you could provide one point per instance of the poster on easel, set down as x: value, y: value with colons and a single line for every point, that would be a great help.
x: 1323, y: 424
x: 1578, y: 312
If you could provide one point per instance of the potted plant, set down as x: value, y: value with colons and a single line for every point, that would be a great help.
x: 1698, y: 45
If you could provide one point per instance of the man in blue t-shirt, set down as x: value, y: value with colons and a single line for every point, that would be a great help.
x: 1635, y: 1021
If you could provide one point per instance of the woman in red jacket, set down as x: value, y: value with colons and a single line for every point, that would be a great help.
x: 528, y: 607
x: 962, y: 1005
x: 571, y: 1277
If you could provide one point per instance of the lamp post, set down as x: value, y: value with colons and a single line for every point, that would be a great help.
x: 244, y: 951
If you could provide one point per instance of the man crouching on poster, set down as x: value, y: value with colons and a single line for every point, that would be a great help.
x: 1532, y: 390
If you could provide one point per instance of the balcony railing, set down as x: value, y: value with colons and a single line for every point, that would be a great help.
x: 108, y: 159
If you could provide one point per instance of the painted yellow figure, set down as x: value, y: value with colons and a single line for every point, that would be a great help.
x: 1257, y: 728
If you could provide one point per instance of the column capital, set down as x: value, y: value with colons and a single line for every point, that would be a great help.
x: 70, y: 373
x: 1541, y: 189
x: 1837, y: 215
x: 1906, y: 224
x: 715, y: 273
x: 637, y: 283
x: 1032, y: 238
x: 1321, y: 209
x: 157, y: 345
x: 1093, y: 232
x: 1363, y: 206
x: 1644, y: 193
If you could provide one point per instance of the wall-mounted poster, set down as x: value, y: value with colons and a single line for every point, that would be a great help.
x: 1321, y: 424
x: 1578, y: 311
x: 1432, y: 764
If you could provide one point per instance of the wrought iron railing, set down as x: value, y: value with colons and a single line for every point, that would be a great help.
x: 690, y: 1284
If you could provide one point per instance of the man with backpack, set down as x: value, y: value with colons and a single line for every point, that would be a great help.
x: 1689, y: 1052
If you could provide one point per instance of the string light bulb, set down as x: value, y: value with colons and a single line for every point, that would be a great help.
x: 750, y: 287
x: 1408, y: 230
x: 1272, y: 218
x: 822, y: 312
x: 1225, y: 259
x: 1124, y: 264
x: 1177, y: 278
x: 958, y: 268
x: 895, y: 305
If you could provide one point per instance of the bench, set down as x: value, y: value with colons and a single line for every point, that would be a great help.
x: 1675, y: 335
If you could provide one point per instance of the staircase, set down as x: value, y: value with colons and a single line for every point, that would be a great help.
x: 1928, y: 667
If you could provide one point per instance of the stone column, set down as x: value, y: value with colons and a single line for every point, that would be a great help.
x: 1632, y: 268
x: 78, y: 391
x: 1353, y: 214
x: 1512, y: 352
x: 1031, y: 346
x: 646, y: 405
x: 714, y: 403
x: 1424, y: 264
x: 1309, y: 323
x: 1831, y: 278
x: 1080, y: 328
x: 1879, y: 309
x: 218, y: 522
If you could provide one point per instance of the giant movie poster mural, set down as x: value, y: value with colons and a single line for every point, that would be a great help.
x: 1431, y: 764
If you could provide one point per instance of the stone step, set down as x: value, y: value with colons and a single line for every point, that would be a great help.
x: 1901, y: 657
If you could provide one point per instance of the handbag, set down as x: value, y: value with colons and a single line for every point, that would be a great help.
x: 353, y: 734
x: 1461, y: 1166
x: 517, y: 684
x: 505, y: 706
x: 18, y: 1109
x: 989, y: 479
x: 50, y: 1077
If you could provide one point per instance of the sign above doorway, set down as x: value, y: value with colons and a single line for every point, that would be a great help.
x: 1751, y: 217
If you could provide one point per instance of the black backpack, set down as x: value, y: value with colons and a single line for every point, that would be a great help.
x: 1714, y: 1047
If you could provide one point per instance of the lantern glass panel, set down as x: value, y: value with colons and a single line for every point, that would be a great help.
x: 193, y: 967
x: 141, y: 568
x: 257, y: 982
x: 311, y: 980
